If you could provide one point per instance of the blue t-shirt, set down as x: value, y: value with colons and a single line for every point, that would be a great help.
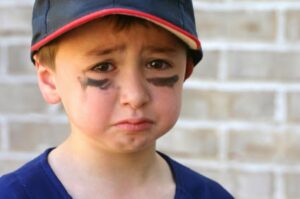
x: 36, y: 180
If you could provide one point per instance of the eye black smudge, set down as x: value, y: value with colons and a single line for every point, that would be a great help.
x: 164, y: 81
x: 101, y: 84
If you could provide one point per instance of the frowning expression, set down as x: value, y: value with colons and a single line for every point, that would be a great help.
x: 121, y: 88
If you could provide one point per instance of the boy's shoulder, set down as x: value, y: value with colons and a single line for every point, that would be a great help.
x: 10, y: 187
x: 13, y: 185
x: 29, y: 181
x: 192, y: 185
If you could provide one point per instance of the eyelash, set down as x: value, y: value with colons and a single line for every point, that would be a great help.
x: 157, y: 64
x: 163, y: 65
x: 99, y: 67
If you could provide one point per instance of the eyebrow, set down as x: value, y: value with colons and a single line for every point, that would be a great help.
x: 160, y: 49
x: 100, y: 51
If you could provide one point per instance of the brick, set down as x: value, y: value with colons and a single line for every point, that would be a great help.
x: 204, y: 105
x: 208, y: 67
x: 215, y: 105
x: 249, y: 185
x: 15, y: 21
x: 293, y: 26
x: 42, y: 135
x: 292, y: 185
x: 9, y: 165
x: 254, y: 146
x: 21, y: 98
x: 291, y: 147
x: 293, y: 107
x: 237, y: 25
x: 253, y: 105
x: 264, y: 147
x: 19, y: 62
x: 263, y: 66
x: 201, y: 143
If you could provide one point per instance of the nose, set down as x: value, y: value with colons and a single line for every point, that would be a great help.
x: 134, y: 91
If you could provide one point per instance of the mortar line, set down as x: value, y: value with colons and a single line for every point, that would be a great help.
x: 5, y: 142
x: 257, y: 6
x: 250, y: 46
x: 279, y: 185
x: 281, y: 27
x: 223, y: 144
x: 280, y: 107
x: 241, y: 86
x: 6, y: 3
x: 4, y: 59
x: 222, y: 66
x: 238, y: 125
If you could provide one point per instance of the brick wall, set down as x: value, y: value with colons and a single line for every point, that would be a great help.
x: 240, y: 122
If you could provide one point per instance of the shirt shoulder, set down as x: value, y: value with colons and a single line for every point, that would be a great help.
x: 192, y: 185
x: 11, y: 188
x: 15, y: 184
x: 30, y: 181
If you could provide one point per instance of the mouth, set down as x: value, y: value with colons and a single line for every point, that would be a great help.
x: 134, y: 124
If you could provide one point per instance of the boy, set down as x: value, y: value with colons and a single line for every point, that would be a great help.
x: 118, y: 68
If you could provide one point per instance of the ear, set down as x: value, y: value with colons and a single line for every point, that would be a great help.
x: 46, y: 82
x: 189, y: 67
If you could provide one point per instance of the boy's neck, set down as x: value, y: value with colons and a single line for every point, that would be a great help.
x: 92, y: 160
x: 129, y: 175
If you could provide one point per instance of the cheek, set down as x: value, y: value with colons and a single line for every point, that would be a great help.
x: 169, y: 110
x: 168, y: 103
x: 89, y: 109
x: 96, y: 105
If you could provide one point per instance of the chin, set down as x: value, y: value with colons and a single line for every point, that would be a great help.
x: 134, y: 145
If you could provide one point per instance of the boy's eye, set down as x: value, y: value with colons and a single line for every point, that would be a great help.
x: 103, y: 67
x: 158, y: 64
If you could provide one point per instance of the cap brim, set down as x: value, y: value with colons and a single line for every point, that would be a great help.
x: 185, y: 36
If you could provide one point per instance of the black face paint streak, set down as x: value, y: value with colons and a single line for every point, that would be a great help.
x: 164, y: 81
x: 101, y: 84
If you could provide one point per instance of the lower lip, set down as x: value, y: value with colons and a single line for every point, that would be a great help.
x: 138, y: 127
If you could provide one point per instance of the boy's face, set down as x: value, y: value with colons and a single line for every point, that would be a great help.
x: 120, y: 88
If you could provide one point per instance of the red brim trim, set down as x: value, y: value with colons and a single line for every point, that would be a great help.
x: 188, y: 38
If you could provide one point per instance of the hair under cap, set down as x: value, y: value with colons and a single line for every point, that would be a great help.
x: 52, y: 18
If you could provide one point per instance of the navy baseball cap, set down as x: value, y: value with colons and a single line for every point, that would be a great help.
x: 53, y: 18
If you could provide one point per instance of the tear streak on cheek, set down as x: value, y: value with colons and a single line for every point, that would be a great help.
x: 164, y: 81
x: 102, y: 84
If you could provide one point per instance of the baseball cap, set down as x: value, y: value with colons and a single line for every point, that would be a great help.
x: 53, y: 18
